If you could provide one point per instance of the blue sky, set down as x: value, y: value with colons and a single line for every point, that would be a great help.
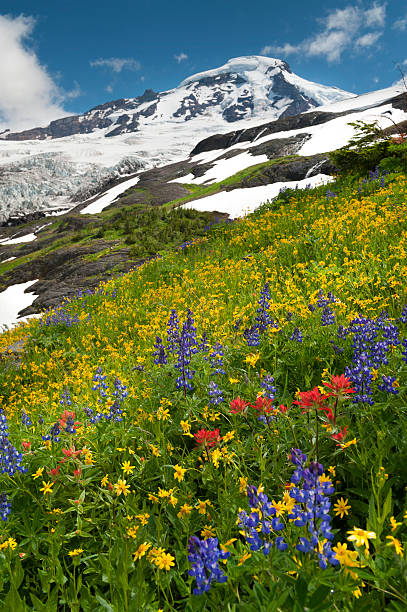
x: 65, y: 56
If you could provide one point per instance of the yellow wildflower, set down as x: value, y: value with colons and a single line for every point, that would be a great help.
x: 215, y: 456
x: 141, y: 551
x: 89, y: 459
x: 341, y: 507
x: 186, y: 429
x: 397, y: 545
x: 252, y: 359
x: 346, y: 557
x: 229, y: 436
x: 75, y: 552
x: 12, y: 543
x: 104, y: 480
x: 164, y: 561
x: 121, y: 487
x: 244, y: 558
x: 360, y: 536
x: 201, y: 507
x: 155, y: 450
x: 208, y: 532
x: 179, y: 472
x: 127, y: 468
x: 132, y: 531
x: 143, y: 518
x: 38, y: 473
x: 394, y: 524
x: 242, y: 485
x: 47, y: 488
x: 184, y: 511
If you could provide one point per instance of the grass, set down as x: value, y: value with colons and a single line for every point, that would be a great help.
x: 104, y: 516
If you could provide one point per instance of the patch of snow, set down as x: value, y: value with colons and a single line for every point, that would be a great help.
x: 363, y: 101
x: 26, y: 238
x: 240, y: 202
x: 110, y: 196
x: 9, y: 259
x: 224, y: 168
x: 13, y: 300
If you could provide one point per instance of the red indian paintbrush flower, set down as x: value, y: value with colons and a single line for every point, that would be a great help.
x: 238, y: 406
x: 311, y: 399
x: 264, y: 405
x: 341, y: 387
x: 207, y: 437
x: 342, y: 433
x: 64, y: 417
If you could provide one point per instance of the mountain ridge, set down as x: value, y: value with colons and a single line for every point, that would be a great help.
x: 244, y: 87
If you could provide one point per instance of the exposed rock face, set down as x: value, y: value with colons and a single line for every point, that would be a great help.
x: 223, y: 141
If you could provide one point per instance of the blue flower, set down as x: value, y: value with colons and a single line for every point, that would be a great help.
x: 5, y: 506
x: 10, y: 458
x: 204, y: 555
x: 215, y: 394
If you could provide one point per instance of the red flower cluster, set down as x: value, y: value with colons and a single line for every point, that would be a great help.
x: 263, y: 405
x: 311, y: 399
x: 69, y: 453
x: 341, y: 387
x: 207, y: 437
x: 341, y: 435
x: 64, y: 417
x: 238, y: 406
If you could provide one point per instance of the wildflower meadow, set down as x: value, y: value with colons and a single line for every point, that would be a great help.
x: 222, y: 428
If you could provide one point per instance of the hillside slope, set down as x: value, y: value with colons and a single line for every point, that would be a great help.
x: 157, y: 415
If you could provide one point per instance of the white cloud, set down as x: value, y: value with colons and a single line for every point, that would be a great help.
x: 29, y: 97
x: 400, y: 24
x: 342, y: 30
x: 75, y: 92
x: 285, y: 49
x: 180, y: 57
x: 109, y: 88
x: 375, y: 79
x: 117, y: 64
x: 369, y: 39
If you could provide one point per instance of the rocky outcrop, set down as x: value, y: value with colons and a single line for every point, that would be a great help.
x: 224, y: 141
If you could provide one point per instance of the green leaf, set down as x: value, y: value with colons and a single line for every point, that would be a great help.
x: 319, y: 596
x: 105, y: 605
x: 301, y: 590
x: 387, y: 506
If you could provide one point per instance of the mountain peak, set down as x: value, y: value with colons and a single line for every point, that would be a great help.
x: 241, y: 65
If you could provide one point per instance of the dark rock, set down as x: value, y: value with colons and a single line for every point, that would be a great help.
x: 14, y: 221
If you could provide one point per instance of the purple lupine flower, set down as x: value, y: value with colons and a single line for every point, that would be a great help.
x: 25, y: 419
x: 215, y: 394
x: 101, y: 386
x: 216, y: 359
x: 204, y: 555
x: 159, y: 353
x: 311, y: 509
x: 328, y: 316
x: 296, y: 335
x: 268, y: 384
x: 388, y: 384
x: 251, y: 335
x: 263, y: 317
x: 5, y: 506
x: 10, y: 458
x: 173, y: 331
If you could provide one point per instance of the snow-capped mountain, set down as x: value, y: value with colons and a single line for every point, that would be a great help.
x: 76, y: 156
x: 243, y: 88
